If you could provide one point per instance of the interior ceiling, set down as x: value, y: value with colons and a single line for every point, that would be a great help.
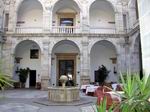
x: 66, y: 4
x: 106, y: 44
x: 65, y: 42
x: 27, y: 43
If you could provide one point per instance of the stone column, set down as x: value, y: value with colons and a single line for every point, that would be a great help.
x: 119, y: 19
x: 85, y: 78
x: 85, y: 17
x: 46, y: 22
x: 132, y: 16
x: 12, y: 17
x: 7, y: 57
x: 46, y: 65
x: 47, y: 19
x: 123, y: 58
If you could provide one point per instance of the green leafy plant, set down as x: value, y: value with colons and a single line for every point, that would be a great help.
x: 136, y: 93
x: 102, y: 74
x: 103, y: 107
x: 23, y: 75
x: 5, y: 80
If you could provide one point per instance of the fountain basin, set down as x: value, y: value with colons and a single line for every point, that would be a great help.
x: 67, y: 94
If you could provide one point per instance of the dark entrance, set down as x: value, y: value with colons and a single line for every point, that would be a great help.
x: 32, y: 79
x: 66, y: 67
x: 66, y: 21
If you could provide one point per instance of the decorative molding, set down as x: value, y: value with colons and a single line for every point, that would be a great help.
x: 89, y: 35
x: 114, y: 60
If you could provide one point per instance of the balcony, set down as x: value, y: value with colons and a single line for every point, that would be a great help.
x: 64, y: 30
x: 21, y: 30
x: 102, y: 30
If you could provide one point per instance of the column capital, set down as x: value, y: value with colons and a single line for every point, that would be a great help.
x: 85, y: 43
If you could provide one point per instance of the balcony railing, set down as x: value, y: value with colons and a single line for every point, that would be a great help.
x: 64, y: 30
x: 29, y: 30
x: 102, y: 30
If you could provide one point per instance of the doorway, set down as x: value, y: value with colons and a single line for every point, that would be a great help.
x: 32, y: 78
x: 66, y: 21
x: 66, y: 65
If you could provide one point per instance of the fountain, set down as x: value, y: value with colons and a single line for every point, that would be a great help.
x: 63, y: 94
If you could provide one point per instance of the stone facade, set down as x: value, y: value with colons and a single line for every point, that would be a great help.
x: 116, y: 34
x: 1, y: 25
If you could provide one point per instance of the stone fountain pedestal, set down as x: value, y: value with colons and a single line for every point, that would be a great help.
x: 66, y: 94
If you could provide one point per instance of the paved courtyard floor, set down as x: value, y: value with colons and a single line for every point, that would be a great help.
x: 30, y: 100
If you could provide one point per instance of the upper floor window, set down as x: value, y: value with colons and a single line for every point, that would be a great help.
x: 137, y: 12
x: 6, y: 21
x: 66, y: 21
x: 34, y: 53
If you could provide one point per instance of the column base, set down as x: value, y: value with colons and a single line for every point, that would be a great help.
x: 85, y: 80
x: 44, y: 82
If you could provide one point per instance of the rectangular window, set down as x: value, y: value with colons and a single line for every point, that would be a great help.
x: 34, y: 54
x: 137, y: 12
x: 66, y: 21
x: 6, y: 21
x: 125, y: 22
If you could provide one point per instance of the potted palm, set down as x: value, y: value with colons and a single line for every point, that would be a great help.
x: 23, y: 75
x: 102, y: 74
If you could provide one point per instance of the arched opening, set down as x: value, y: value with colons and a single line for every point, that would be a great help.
x: 104, y: 53
x: 65, y: 61
x: 102, y: 17
x: 30, y: 17
x: 27, y: 55
x: 66, y: 16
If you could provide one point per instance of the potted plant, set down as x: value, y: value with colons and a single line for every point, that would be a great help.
x: 136, y: 93
x: 102, y: 74
x: 23, y: 75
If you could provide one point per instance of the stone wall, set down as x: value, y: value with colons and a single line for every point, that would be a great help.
x: 84, y: 40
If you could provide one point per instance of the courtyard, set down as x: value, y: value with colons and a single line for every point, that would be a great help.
x: 32, y: 100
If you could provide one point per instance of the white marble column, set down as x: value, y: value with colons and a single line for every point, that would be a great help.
x: 46, y: 65
x: 119, y: 19
x: 47, y: 19
x: 85, y: 17
x: 12, y: 17
x: 85, y: 65
x: 123, y: 58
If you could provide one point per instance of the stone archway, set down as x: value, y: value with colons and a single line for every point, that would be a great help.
x: 65, y: 61
x: 104, y: 53
x: 29, y: 17
x: 65, y: 13
x: 135, y: 57
x: 28, y: 55
x: 102, y: 17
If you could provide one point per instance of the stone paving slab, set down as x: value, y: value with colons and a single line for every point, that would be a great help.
x: 24, y: 93
x: 82, y: 101
x: 27, y: 101
x: 18, y: 107
x: 91, y: 108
